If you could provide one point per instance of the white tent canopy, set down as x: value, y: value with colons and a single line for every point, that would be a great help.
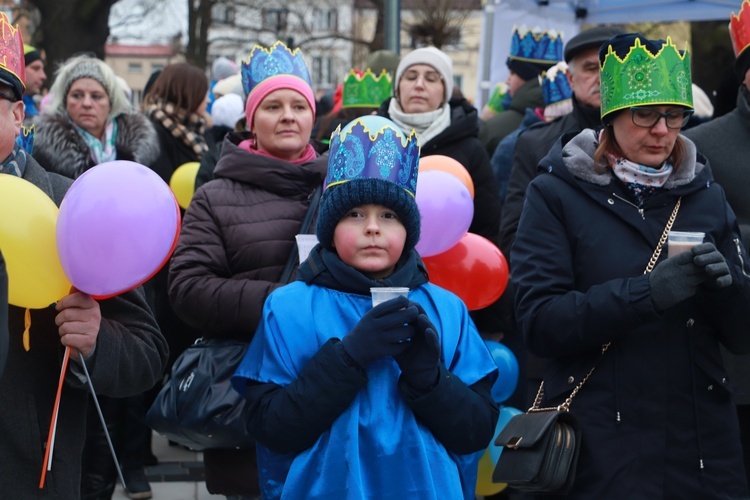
x: 567, y: 16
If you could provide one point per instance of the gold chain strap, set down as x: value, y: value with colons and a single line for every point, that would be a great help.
x: 565, y: 406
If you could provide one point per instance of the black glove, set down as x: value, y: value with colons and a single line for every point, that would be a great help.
x: 714, y: 265
x: 420, y: 360
x: 675, y: 280
x: 383, y: 331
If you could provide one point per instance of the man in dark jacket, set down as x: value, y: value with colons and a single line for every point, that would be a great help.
x: 117, y: 339
x: 531, y: 53
x: 581, y: 54
x: 3, y: 314
x: 726, y: 143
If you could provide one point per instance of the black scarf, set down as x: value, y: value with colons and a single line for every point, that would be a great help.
x: 324, y: 267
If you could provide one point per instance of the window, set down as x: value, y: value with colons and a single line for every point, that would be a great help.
x: 275, y: 20
x: 157, y: 67
x: 135, y: 67
x: 322, y: 71
x: 223, y: 14
x: 325, y: 19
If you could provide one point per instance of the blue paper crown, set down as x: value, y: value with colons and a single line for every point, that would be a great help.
x: 536, y: 46
x: 373, y: 147
x: 555, y: 86
x: 263, y: 63
x: 26, y: 139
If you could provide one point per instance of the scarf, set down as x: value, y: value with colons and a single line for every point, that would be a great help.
x: 324, y: 267
x: 427, y: 125
x: 15, y: 163
x: 188, y: 128
x: 642, y: 181
x: 309, y: 154
x: 103, y: 150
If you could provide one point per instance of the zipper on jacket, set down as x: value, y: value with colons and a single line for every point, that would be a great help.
x: 640, y: 210
x: 739, y: 254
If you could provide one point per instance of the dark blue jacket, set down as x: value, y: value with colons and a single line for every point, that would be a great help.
x: 657, y: 414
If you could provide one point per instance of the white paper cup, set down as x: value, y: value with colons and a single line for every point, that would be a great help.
x: 305, y: 243
x: 682, y: 241
x: 383, y: 293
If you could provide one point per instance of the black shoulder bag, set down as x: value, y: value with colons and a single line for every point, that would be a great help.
x: 540, y: 447
x: 197, y: 407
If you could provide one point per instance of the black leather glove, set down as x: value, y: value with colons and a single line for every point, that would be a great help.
x: 674, y: 280
x: 420, y: 360
x: 714, y: 265
x: 383, y: 331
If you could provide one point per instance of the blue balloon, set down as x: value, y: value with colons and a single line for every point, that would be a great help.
x: 506, y: 413
x: 507, y: 366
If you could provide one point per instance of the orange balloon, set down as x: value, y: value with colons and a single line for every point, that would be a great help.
x: 474, y: 269
x: 485, y: 486
x: 447, y: 164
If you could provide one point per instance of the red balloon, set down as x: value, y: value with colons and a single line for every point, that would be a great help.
x: 474, y: 269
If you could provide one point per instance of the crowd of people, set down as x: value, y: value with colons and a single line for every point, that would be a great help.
x: 579, y: 162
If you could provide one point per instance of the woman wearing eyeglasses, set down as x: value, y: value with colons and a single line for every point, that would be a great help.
x: 422, y: 101
x: 656, y: 414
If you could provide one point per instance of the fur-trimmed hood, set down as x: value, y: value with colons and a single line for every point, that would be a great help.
x: 578, y: 156
x: 59, y: 148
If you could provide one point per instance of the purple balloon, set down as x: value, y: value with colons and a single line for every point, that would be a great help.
x: 117, y: 226
x: 446, y: 208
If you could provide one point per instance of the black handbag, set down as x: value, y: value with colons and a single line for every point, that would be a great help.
x: 197, y: 407
x: 540, y: 447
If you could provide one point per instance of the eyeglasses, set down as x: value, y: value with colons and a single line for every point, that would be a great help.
x: 649, y: 117
x: 429, y: 76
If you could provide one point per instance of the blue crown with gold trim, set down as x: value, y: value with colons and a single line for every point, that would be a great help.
x: 535, y: 45
x: 373, y: 147
x: 555, y: 85
x: 263, y: 63
x: 26, y: 139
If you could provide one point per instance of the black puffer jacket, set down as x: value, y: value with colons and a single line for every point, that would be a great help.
x: 459, y: 141
x: 59, y: 148
x: 236, y: 237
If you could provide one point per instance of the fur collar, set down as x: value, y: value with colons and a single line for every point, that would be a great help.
x: 59, y: 148
x: 578, y: 155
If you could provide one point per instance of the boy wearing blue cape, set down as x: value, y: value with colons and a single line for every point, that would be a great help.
x: 350, y: 401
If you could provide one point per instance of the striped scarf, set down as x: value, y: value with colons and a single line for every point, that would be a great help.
x: 186, y: 127
x: 15, y: 163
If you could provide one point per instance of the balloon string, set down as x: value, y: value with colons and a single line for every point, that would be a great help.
x: 47, y: 465
x: 101, y: 419
x: 26, y: 328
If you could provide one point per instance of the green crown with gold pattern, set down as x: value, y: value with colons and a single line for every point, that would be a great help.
x: 643, y: 78
x: 365, y: 90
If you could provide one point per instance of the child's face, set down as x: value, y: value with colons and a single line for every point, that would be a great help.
x: 370, y: 238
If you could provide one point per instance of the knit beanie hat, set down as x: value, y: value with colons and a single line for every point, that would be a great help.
x: 432, y: 57
x: 222, y: 68
x: 227, y: 110
x: 269, y: 69
x: 383, y: 60
x: 87, y: 68
x: 30, y: 54
x: 371, y: 162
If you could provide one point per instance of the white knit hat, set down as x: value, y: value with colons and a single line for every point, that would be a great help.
x: 227, y: 110
x: 433, y: 57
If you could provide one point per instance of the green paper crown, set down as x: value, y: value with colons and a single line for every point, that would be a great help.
x: 365, y: 90
x: 645, y: 79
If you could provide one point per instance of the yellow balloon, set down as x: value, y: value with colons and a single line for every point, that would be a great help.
x: 485, y: 486
x: 27, y: 240
x: 183, y: 182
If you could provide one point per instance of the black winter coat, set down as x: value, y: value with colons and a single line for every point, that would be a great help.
x: 657, y: 414
x: 459, y: 141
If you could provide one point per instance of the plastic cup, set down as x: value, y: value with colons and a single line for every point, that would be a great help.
x: 682, y: 241
x: 383, y: 293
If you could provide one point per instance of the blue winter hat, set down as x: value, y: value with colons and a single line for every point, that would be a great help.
x: 370, y: 162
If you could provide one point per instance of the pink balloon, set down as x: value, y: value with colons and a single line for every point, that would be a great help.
x: 446, y: 208
x: 118, y: 225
